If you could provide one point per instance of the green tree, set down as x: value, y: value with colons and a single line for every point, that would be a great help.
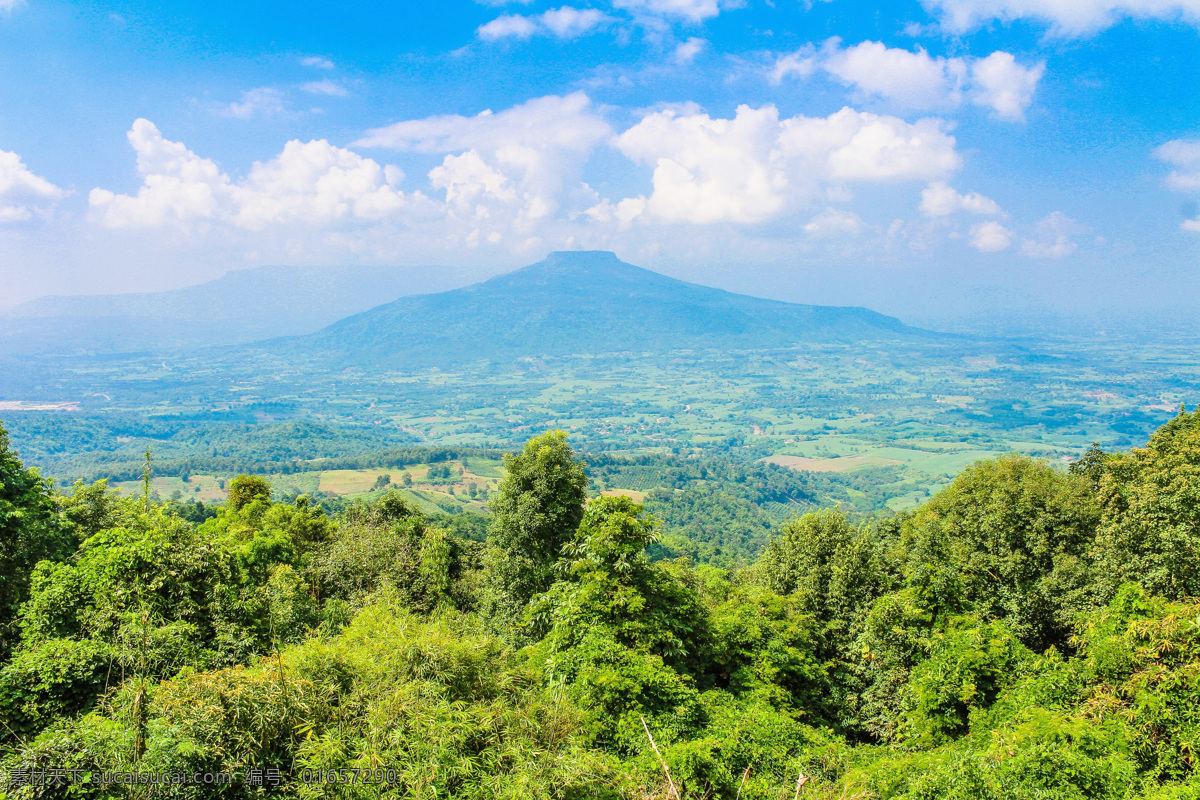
x: 245, y: 489
x: 1150, y: 530
x: 30, y: 531
x: 624, y: 633
x: 1010, y: 538
x: 535, y: 512
x: 830, y: 566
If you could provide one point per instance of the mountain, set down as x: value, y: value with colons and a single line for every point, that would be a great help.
x: 574, y: 303
x: 241, y: 306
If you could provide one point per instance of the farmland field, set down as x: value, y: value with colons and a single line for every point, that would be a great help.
x: 890, y: 425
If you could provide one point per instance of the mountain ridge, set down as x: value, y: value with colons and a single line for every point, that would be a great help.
x: 580, y: 302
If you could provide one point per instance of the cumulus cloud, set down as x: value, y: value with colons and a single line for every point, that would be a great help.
x: 467, y: 179
x: 756, y: 166
x: 1053, y: 237
x: 317, y: 61
x: 939, y: 199
x: 1001, y: 84
x: 513, y: 178
x: 989, y: 237
x: 561, y: 23
x: 918, y: 80
x: 799, y: 64
x: 20, y: 188
x: 325, y: 87
x: 539, y: 146
x: 915, y: 80
x: 9, y: 5
x: 1184, y: 156
x: 570, y: 23
x: 691, y: 10
x: 1066, y: 17
x: 834, y: 222
x: 311, y: 183
x: 262, y: 101
x: 686, y: 52
x: 509, y: 26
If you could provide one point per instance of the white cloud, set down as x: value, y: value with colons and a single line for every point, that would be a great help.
x: 834, y: 222
x: 801, y: 64
x: 317, y: 61
x: 9, y: 5
x: 509, y: 26
x: 989, y: 237
x: 1000, y: 83
x: 915, y: 80
x: 1066, y: 17
x: 918, y: 80
x: 325, y: 87
x: 692, y: 10
x: 177, y: 186
x: 511, y: 179
x: 264, y: 100
x: 1184, y: 156
x: 686, y: 52
x: 311, y: 183
x: 17, y: 179
x: 1053, y: 237
x: 570, y: 23
x: 550, y: 122
x: 623, y: 212
x: 19, y: 186
x: 754, y: 167
x: 316, y: 183
x: 467, y: 179
x: 939, y: 199
x: 562, y: 23
x: 539, y: 146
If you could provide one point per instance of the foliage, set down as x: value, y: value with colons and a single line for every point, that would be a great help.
x: 989, y: 644
x: 1150, y: 532
x: 245, y: 489
x: 30, y: 531
x: 537, y: 507
x: 1011, y: 538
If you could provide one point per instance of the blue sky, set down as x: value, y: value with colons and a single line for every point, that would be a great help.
x: 953, y: 159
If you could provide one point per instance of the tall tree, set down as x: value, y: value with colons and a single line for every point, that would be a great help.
x: 535, y: 511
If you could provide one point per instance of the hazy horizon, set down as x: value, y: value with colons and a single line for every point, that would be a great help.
x: 999, y: 320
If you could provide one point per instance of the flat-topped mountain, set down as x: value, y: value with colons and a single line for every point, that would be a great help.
x: 581, y: 303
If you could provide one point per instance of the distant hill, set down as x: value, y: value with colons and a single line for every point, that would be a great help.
x: 579, y: 302
x: 241, y: 306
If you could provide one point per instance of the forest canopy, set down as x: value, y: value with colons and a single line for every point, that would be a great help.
x: 1028, y: 631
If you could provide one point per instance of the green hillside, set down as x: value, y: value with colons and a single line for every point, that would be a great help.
x: 581, y: 303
